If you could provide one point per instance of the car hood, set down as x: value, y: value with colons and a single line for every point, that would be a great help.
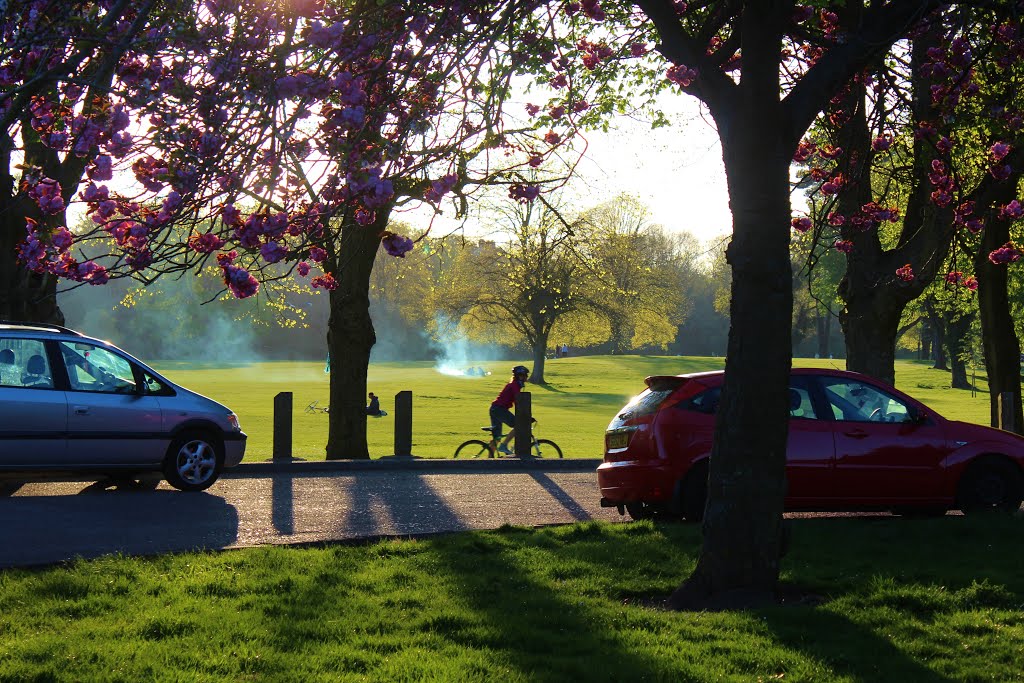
x: 967, y: 431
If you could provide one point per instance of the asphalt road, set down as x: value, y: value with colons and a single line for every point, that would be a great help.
x: 53, y: 522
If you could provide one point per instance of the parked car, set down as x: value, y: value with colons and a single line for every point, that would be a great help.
x: 73, y: 405
x: 854, y: 443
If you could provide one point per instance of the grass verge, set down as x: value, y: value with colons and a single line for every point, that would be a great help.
x: 903, y: 600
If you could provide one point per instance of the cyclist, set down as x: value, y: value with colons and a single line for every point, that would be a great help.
x: 501, y: 412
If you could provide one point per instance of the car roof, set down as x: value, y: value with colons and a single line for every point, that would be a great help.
x: 708, y: 374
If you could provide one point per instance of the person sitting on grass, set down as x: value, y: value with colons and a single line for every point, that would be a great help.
x: 501, y: 409
x: 373, y: 410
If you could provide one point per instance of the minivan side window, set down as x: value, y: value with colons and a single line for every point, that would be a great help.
x: 94, y: 368
x: 24, y: 363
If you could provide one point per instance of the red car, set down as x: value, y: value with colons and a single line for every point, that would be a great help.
x: 854, y: 443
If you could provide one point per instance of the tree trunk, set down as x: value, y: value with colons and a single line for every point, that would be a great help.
x: 824, y: 334
x: 999, y: 340
x: 957, y: 340
x: 925, y: 346
x: 940, y: 332
x: 350, y: 338
x: 540, y: 346
x: 875, y: 297
x: 739, y: 560
x: 24, y: 296
x: 870, y: 322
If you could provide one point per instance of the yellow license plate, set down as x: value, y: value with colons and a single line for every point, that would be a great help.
x: 618, y: 440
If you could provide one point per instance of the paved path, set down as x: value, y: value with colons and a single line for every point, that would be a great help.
x: 281, y: 504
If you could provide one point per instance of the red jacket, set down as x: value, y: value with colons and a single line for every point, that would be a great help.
x: 507, y: 397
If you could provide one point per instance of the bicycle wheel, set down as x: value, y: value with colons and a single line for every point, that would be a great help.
x: 474, y: 448
x: 547, y: 446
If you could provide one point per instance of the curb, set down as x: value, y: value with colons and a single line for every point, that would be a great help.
x: 298, y: 466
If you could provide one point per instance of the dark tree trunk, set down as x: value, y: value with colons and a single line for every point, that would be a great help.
x: 540, y: 346
x: 999, y: 339
x: 746, y: 483
x: 875, y: 297
x: 621, y: 334
x: 957, y: 340
x: 824, y: 334
x: 350, y: 338
x: 24, y: 296
x: 924, y: 349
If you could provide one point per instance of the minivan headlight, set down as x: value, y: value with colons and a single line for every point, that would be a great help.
x: 233, y: 421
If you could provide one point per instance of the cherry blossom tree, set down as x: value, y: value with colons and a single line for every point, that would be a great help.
x: 279, y: 140
x: 917, y: 168
x: 61, y: 125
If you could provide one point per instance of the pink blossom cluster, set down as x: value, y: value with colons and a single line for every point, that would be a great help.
x: 523, y: 192
x: 440, y: 187
x: 591, y: 8
x: 905, y: 273
x: 681, y: 75
x: 1008, y: 253
x: 396, y: 245
x: 956, y: 277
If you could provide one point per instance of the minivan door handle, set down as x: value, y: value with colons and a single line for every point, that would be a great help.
x: 856, y: 433
x: 81, y: 410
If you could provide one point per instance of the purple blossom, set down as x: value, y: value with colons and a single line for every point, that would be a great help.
x: 397, y: 245
x: 272, y: 252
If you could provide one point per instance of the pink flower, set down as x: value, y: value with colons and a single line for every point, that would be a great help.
x: 682, y: 76
x: 1008, y: 253
x: 303, y: 268
x: 240, y: 281
x: 206, y: 243
x: 906, y: 273
x: 552, y: 138
x: 326, y: 281
x: 317, y: 254
x: 1011, y: 211
x: 845, y: 246
x: 998, y: 151
x: 397, y: 245
x: 881, y: 143
x: 523, y: 193
x: 970, y: 282
x: 954, y: 277
x: 272, y: 252
x: 801, y: 224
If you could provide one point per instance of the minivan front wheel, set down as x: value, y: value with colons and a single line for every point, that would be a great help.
x: 194, y: 461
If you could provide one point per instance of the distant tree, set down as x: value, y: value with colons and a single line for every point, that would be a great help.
x: 636, y: 286
x: 525, y: 285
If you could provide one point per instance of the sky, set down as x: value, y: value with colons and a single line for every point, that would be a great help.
x: 676, y: 171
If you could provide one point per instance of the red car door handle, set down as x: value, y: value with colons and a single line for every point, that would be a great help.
x: 857, y: 434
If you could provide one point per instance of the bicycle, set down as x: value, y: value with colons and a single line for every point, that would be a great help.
x: 476, y: 448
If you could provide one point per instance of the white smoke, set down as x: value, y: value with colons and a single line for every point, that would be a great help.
x: 457, y: 356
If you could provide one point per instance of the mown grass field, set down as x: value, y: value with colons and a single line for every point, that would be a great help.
x: 884, y: 599
x: 573, y: 409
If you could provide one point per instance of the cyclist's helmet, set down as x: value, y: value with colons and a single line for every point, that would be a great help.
x: 520, y: 370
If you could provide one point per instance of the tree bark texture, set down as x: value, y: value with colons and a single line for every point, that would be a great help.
x: 874, y: 296
x: 350, y: 338
x: 739, y: 558
x: 1001, y: 345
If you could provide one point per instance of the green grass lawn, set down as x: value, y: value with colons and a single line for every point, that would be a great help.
x: 573, y: 409
x: 891, y: 599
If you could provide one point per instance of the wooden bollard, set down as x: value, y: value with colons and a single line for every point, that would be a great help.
x: 524, y: 424
x: 403, y: 423
x: 283, y: 426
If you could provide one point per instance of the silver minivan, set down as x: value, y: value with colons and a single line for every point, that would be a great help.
x: 74, y: 405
